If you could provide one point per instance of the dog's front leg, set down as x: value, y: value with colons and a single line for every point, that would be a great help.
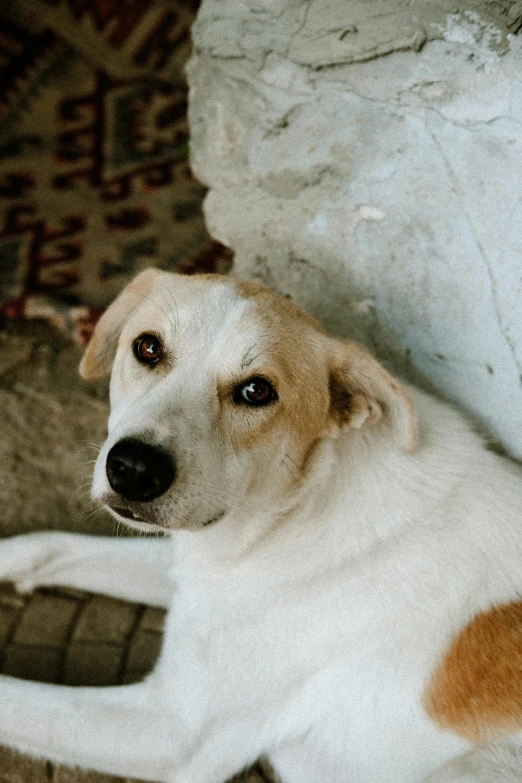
x: 222, y: 754
x: 122, y: 730
x: 127, y: 568
x: 127, y: 730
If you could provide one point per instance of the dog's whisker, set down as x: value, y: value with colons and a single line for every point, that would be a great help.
x: 172, y: 303
x: 93, y: 445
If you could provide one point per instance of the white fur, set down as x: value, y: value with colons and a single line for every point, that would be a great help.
x: 309, y: 641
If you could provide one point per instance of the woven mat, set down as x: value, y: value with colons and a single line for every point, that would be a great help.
x: 94, y: 177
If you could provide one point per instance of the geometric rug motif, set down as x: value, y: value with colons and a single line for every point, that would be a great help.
x: 95, y: 183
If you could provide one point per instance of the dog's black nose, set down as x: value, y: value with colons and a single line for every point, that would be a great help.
x: 138, y: 471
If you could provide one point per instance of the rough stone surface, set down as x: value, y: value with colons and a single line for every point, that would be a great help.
x: 380, y: 192
x: 321, y: 33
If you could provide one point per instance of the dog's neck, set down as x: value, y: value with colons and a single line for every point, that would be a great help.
x: 353, y: 497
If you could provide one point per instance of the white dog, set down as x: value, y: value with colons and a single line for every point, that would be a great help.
x: 343, y: 576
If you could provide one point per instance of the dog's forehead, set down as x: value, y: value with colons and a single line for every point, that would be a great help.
x: 205, y: 315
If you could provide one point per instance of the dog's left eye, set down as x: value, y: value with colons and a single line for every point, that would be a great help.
x: 256, y: 391
x: 148, y: 349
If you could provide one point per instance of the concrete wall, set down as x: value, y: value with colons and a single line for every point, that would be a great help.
x: 366, y: 161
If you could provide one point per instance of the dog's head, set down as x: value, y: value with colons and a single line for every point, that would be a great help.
x: 220, y: 393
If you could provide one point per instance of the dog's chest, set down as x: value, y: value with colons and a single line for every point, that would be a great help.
x: 244, y: 648
x: 331, y: 659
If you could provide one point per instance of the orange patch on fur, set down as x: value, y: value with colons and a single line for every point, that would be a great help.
x: 360, y: 390
x: 276, y: 305
x: 476, y: 691
x: 295, y: 352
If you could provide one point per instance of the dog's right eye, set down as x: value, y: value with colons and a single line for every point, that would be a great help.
x: 148, y: 349
x: 255, y: 392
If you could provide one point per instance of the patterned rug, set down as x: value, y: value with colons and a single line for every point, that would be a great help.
x: 94, y: 177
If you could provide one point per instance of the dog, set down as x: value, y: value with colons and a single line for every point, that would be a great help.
x: 342, y: 566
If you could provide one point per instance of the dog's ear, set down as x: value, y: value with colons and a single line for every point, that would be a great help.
x: 99, y: 354
x: 362, y: 392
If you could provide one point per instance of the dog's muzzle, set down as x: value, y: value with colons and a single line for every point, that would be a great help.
x: 139, y: 472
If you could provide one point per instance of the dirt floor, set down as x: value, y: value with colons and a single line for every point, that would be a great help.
x: 49, y: 418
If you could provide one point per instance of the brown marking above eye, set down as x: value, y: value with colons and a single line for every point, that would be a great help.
x: 255, y: 392
x: 148, y: 349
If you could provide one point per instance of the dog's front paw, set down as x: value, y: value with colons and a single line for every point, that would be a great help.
x: 29, y: 560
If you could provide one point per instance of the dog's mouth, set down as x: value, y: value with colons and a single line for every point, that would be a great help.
x: 132, y: 515
x: 133, y: 512
x: 126, y: 513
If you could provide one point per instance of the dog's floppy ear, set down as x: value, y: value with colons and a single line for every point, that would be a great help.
x: 99, y: 354
x: 362, y: 392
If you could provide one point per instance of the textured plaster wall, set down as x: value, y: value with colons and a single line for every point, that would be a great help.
x: 365, y: 159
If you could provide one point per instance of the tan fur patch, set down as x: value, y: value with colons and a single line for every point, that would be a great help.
x: 298, y: 363
x: 359, y: 389
x: 273, y: 303
x: 476, y: 691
